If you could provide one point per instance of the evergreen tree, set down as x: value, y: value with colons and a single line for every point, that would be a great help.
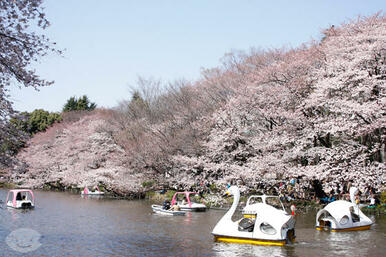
x: 81, y: 104
x: 137, y: 106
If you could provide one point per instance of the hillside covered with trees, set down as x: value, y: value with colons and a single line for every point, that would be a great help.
x: 315, y: 113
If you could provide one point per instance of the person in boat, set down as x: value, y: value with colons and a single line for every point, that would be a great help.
x: 175, y: 207
x: 18, y: 197
x: 23, y: 198
x: 166, y: 205
x: 354, y: 216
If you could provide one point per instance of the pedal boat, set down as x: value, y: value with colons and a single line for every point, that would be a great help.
x: 97, y: 191
x: 160, y: 210
x: 343, y: 216
x: 269, y: 226
x: 20, y: 199
x: 190, y: 205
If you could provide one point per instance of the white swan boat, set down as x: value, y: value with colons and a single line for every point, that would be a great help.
x: 268, y: 226
x: 97, y: 191
x: 21, y: 199
x: 343, y: 216
x: 187, y: 205
x: 160, y: 210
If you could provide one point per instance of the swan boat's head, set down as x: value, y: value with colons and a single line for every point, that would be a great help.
x: 233, y: 190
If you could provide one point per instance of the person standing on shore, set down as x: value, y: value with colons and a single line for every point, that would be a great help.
x: 293, y: 209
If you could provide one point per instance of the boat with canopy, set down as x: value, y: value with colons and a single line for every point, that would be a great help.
x: 343, y: 216
x: 263, y: 224
x: 187, y: 204
x: 20, y: 199
x: 97, y: 191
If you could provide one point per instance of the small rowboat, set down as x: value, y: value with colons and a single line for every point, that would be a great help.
x: 159, y: 209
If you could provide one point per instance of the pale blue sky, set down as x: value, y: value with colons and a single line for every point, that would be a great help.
x: 110, y: 43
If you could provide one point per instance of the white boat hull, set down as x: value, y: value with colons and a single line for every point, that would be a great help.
x: 93, y: 193
x: 199, y: 209
x: 158, y: 209
x: 21, y: 205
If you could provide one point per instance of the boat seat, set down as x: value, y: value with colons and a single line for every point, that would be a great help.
x: 355, y: 217
x: 246, y: 224
x: 325, y: 223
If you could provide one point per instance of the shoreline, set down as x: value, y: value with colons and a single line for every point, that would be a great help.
x: 211, y: 200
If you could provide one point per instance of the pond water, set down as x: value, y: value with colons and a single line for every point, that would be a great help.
x: 67, y: 225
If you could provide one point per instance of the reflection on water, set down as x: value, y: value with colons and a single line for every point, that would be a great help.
x: 73, y: 226
x: 223, y: 249
x: 334, y: 241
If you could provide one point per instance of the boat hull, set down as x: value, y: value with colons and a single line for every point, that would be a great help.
x: 94, y: 193
x: 243, y: 240
x: 20, y: 205
x: 21, y: 208
x: 199, y: 209
x: 158, y: 209
x: 24, y: 207
x: 359, y: 228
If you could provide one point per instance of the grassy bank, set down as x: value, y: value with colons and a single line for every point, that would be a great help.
x: 7, y: 185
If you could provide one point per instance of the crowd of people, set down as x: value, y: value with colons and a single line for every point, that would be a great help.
x: 301, y: 190
x: 319, y: 191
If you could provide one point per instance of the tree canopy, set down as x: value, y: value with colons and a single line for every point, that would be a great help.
x: 36, y: 121
x: 20, y: 45
x: 79, y: 104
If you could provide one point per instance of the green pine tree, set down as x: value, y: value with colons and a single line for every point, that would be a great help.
x: 81, y: 104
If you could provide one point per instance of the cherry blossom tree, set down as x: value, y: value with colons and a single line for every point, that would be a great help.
x: 315, y: 112
x: 19, y: 47
x: 262, y: 118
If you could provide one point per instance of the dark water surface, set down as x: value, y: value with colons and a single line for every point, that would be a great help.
x: 69, y: 225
